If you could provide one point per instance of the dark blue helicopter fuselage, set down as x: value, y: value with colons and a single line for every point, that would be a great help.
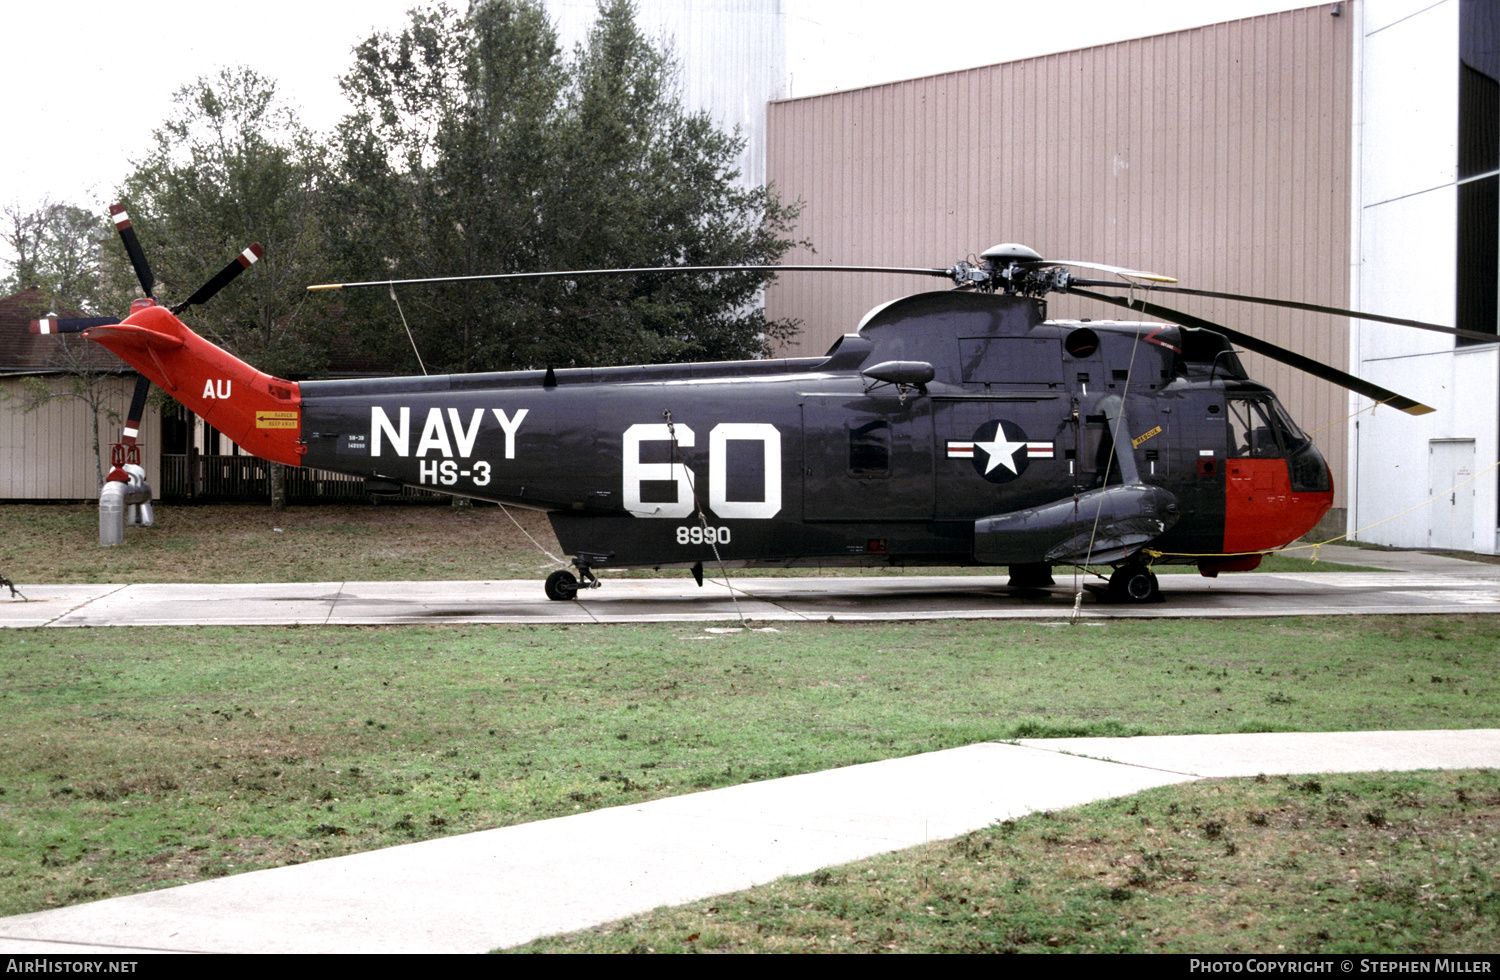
x: 1030, y: 437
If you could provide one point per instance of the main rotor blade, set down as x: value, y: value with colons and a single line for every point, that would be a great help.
x: 578, y: 273
x: 1117, y: 270
x: 226, y: 275
x: 1309, y: 307
x: 55, y: 324
x: 1316, y: 368
x: 133, y: 248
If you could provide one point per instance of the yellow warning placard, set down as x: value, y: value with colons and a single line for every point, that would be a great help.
x: 275, y: 420
x: 1136, y: 442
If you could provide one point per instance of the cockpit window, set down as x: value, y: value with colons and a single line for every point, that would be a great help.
x: 1259, y: 428
x: 1255, y: 429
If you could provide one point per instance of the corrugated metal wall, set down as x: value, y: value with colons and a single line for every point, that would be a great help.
x: 47, y: 454
x: 1219, y: 155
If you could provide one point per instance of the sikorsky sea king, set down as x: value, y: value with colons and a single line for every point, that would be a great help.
x: 958, y: 427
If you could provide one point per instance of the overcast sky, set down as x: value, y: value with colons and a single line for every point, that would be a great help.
x: 88, y: 81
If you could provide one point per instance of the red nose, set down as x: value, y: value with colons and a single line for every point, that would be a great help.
x: 1262, y: 512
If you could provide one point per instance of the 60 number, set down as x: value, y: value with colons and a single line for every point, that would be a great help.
x: 636, y: 472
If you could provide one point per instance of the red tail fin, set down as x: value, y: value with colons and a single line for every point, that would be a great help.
x: 260, y: 413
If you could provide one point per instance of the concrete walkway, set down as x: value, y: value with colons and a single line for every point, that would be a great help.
x: 1401, y: 561
x: 503, y: 887
x: 1410, y: 582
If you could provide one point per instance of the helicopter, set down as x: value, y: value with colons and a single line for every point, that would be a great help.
x: 958, y: 427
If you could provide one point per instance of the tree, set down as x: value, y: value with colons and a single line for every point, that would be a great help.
x: 231, y: 167
x: 58, y: 248
x: 441, y: 166
x: 477, y: 148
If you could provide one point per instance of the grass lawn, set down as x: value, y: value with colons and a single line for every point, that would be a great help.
x: 137, y: 758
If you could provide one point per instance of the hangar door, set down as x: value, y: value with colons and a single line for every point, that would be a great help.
x: 1451, y: 462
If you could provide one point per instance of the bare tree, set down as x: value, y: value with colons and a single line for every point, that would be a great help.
x: 83, y: 377
x: 58, y: 248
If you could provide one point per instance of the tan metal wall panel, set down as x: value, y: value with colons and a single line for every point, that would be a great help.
x: 1220, y: 155
x: 46, y: 454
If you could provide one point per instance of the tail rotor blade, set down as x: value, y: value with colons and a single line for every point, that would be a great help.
x: 133, y: 248
x: 1291, y: 358
x: 227, y: 275
x: 137, y: 409
x: 56, y: 324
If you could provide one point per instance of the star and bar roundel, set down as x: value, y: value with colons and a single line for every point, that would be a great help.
x: 1000, y: 450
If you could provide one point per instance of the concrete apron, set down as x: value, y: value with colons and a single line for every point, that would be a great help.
x: 1245, y: 595
x: 503, y: 887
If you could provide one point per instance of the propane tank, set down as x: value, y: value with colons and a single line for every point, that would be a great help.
x: 112, y: 514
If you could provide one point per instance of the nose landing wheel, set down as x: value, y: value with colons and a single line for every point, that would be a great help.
x: 1134, y: 583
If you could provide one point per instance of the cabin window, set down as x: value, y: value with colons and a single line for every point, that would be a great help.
x: 870, y: 448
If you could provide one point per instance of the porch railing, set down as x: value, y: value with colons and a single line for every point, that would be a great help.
x: 200, y: 476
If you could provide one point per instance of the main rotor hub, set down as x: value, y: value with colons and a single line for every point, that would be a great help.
x: 1014, y: 268
x: 1008, y: 252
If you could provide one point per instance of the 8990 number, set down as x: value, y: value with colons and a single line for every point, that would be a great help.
x: 697, y: 534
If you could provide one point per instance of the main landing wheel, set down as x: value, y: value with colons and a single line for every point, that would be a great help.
x: 1134, y: 583
x: 562, y: 586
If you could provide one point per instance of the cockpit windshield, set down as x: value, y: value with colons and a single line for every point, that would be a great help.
x: 1292, y: 436
x: 1259, y: 428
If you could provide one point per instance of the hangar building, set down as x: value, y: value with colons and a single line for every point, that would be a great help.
x: 1343, y: 154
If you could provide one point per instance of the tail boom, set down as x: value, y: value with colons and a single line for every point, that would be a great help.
x: 261, y: 413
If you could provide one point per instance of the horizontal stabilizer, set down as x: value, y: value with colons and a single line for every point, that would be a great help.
x: 132, y: 335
